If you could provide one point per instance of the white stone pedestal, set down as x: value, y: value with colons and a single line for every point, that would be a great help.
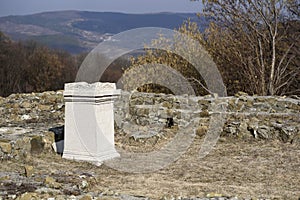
x: 89, y: 121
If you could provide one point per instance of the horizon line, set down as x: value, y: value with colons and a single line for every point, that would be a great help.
x: 86, y: 10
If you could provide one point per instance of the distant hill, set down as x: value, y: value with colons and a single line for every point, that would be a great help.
x: 79, y: 31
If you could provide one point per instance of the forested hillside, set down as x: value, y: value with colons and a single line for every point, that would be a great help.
x: 29, y: 66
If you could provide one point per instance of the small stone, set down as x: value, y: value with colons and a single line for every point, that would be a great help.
x: 44, y: 107
x: 109, y: 193
x: 6, y: 147
x: 201, y: 130
x: 51, y: 99
x: 49, y: 181
x: 210, y: 195
x: 84, y: 184
x: 86, y: 197
x: 208, y: 96
x: 26, y: 105
x: 166, y: 105
x: 143, y: 112
x: 25, y: 117
x: 29, y: 170
x: 12, y: 196
x: 271, y: 100
x: 204, y: 113
x: 15, y: 105
x: 263, y: 132
x: 28, y: 196
x: 72, y: 191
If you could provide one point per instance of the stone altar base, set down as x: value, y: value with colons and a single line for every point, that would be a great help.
x: 89, y: 121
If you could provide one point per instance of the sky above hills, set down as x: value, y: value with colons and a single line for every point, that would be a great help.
x: 22, y: 7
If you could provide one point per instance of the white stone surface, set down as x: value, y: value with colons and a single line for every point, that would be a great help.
x: 89, y: 121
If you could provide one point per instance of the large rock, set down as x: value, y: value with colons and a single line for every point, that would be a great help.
x: 37, y: 145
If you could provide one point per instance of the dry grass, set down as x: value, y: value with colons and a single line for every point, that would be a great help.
x: 252, y: 168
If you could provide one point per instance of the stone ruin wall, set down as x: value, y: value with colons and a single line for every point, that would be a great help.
x: 26, y: 118
x: 246, y: 116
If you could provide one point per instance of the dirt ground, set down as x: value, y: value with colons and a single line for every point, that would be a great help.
x: 246, y: 168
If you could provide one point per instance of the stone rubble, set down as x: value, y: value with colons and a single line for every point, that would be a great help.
x: 26, y: 118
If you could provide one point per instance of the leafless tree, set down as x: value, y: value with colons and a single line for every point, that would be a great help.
x: 259, y: 38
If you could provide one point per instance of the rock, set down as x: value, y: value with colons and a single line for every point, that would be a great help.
x: 49, y: 139
x: 263, y: 132
x: 249, y: 103
x: 232, y: 128
x: 11, y: 196
x: 6, y: 147
x: 26, y: 105
x: 72, y: 191
x: 51, y: 182
x: 28, y: 196
x: 86, y: 197
x: 204, y: 113
x: 243, y: 130
x: 286, y: 132
x: 201, y: 130
x: 46, y: 190
x: 50, y: 99
x: 84, y: 185
x: 26, y: 117
x: 44, y: 107
x: 23, y: 144
x: 211, y: 195
x: 296, y: 140
x: 240, y: 105
x: 266, y: 117
x: 37, y: 145
x: 166, y: 105
x: 109, y: 193
x: 29, y: 170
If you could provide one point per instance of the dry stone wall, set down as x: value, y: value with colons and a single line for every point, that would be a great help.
x: 246, y: 116
x: 26, y: 118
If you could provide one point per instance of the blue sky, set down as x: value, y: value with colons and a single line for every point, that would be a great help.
x: 21, y: 7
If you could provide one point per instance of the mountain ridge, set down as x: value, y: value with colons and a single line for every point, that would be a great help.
x: 79, y: 31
